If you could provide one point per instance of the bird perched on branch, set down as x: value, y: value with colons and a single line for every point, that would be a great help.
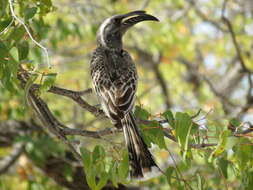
x: 114, y: 79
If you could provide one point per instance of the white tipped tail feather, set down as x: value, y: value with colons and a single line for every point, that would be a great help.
x: 142, y: 164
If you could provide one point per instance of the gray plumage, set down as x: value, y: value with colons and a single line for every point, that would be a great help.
x: 115, y: 79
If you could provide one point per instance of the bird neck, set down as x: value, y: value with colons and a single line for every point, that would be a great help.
x: 111, y: 42
x: 110, y: 49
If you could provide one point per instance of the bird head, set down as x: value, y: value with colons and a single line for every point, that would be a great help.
x: 112, y: 29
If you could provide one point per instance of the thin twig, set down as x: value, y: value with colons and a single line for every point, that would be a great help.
x: 205, y: 18
x: 233, y: 36
x: 93, y: 134
x: 197, y: 114
x: 224, y: 5
x: 235, y: 43
x: 202, y: 77
x: 178, y: 172
x: 218, y: 94
x: 28, y: 32
x: 202, y: 145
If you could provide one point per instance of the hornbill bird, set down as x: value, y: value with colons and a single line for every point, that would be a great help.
x: 114, y: 80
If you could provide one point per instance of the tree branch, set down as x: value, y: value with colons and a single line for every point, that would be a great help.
x: 201, y: 77
x: 9, y: 160
x: 52, y: 124
x: 205, y: 18
x: 93, y: 134
x: 235, y: 43
x: 76, y: 96
x: 249, y: 102
x: 161, y: 81
x: 46, y: 117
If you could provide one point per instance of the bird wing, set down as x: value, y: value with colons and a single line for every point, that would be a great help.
x: 117, y: 96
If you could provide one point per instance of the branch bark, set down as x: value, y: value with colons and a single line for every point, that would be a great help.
x: 9, y: 160
x: 41, y: 109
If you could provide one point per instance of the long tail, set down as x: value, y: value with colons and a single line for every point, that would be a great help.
x: 140, y: 159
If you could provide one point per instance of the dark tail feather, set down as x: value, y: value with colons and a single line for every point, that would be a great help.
x: 140, y: 159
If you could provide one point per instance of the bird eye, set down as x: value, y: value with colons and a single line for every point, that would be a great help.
x: 116, y: 21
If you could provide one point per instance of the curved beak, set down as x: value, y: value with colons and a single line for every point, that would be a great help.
x: 132, y: 18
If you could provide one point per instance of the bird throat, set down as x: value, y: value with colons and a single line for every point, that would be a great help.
x: 114, y: 62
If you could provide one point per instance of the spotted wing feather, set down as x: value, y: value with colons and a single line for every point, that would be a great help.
x: 115, y: 86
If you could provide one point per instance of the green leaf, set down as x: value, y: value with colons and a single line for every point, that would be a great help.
x: 3, y: 61
x: 87, y: 161
x: 48, y: 81
x: 200, y: 181
x: 220, y: 148
x: 3, y: 52
x: 17, y: 34
x: 102, y: 180
x: 235, y: 122
x: 1, y: 70
x: 169, y: 116
x: 244, y: 153
x: 4, y: 23
x: 90, y: 171
x: 223, y: 165
x: 249, y: 181
x: 98, y: 153
x: 91, y: 178
x: 98, y: 159
x: 45, y: 7
x: 9, y: 67
x: 30, y: 12
x: 183, y: 127
x: 47, y: 2
x: 123, y: 167
x: 141, y: 113
x: 154, y: 133
x: 231, y: 142
x: 23, y: 50
x: 3, y: 6
x: 114, y: 174
x: 91, y: 163
x: 6, y: 77
x: 169, y: 171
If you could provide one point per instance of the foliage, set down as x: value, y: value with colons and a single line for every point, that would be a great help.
x: 198, y: 62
